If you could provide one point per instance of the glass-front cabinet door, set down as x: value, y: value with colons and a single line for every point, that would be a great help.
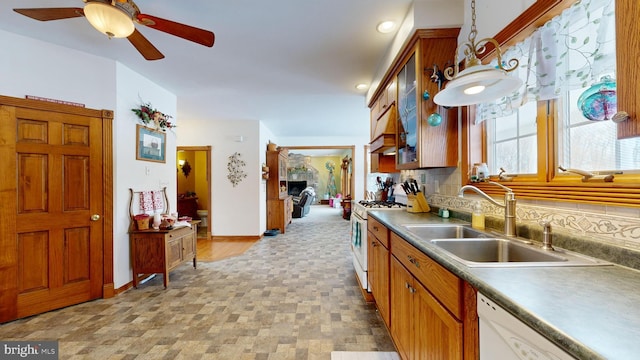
x: 407, y: 127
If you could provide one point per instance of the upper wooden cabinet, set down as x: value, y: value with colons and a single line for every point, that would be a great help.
x: 279, y: 202
x: 277, y: 161
x: 628, y: 73
x: 418, y: 144
x: 383, y: 102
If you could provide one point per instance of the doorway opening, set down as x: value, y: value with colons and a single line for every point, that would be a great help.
x: 341, y: 158
x: 193, y: 172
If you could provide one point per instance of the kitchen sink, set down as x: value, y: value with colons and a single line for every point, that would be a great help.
x: 429, y: 232
x: 497, y: 252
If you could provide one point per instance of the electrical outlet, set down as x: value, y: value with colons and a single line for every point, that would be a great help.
x: 423, y: 178
x: 147, y: 171
x: 436, y: 186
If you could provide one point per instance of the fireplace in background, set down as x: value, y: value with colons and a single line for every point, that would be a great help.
x: 296, y: 187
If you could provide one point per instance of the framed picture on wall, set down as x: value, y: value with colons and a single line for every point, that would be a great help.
x: 150, y: 144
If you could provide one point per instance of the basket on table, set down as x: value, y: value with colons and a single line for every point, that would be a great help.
x: 142, y: 221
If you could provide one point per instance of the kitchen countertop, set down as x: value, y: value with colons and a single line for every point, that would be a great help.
x: 591, y: 312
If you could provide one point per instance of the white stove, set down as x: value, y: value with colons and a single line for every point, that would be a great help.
x: 359, y: 244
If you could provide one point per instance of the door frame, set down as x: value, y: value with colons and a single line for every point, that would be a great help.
x: 334, y: 147
x: 8, y: 152
x: 207, y: 150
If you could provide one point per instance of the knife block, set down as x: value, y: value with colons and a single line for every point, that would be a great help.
x: 417, y: 203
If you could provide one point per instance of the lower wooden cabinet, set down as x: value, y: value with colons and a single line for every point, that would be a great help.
x: 279, y: 213
x: 378, y: 267
x: 438, y: 333
x: 160, y: 251
x: 402, y: 309
x: 432, y: 311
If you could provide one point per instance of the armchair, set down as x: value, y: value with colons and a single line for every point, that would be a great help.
x: 301, y: 206
x: 312, y: 197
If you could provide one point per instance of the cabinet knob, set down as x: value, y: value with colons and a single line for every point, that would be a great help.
x: 620, y: 116
x: 413, y: 261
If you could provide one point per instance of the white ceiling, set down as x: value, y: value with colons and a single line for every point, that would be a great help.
x: 292, y: 64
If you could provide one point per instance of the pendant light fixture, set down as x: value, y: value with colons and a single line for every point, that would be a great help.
x: 477, y: 83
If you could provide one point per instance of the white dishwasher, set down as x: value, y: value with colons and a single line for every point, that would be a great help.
x: 504, y: 337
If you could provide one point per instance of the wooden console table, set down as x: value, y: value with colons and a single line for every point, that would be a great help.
x: 160, y: 251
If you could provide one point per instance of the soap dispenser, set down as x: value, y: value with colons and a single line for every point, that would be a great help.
x: 477, y: 216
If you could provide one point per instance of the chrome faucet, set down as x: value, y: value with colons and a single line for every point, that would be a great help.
x: 509, y: 205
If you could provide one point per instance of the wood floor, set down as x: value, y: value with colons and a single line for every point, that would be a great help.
x: 212, y: 250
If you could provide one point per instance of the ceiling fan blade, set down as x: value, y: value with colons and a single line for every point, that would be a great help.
x: 46, y: 14
x: 199, y: 36
x: 145, y: 47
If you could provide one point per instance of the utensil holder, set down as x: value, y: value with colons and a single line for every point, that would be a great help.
x: 417, y: 203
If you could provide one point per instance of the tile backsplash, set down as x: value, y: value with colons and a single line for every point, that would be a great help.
x: 600, y: 224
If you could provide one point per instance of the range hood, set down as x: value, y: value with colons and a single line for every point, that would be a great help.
x: 384, y: 133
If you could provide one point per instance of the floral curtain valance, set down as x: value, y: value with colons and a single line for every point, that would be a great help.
x: 571, y: 51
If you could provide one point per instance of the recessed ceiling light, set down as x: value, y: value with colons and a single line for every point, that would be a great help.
x: 386, y: 27
x: 362, y: 86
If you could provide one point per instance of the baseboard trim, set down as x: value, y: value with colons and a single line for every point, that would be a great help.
x: 108, y: 291
x: 237, y: 238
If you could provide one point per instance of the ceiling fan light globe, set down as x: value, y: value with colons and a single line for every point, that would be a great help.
x: 109, y: 19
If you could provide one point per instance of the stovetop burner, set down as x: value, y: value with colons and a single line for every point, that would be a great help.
x: 375, y: 204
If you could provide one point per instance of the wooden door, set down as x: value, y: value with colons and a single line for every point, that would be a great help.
x: 52, y: 235
x: 402, y: 293
x: 438, y: 334
x: 380, y: 277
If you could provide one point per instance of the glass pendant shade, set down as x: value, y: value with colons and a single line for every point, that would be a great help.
x: 109, y: 20
x: 477, y: 84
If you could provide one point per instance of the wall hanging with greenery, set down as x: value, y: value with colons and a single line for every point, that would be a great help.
x: 150, y: 116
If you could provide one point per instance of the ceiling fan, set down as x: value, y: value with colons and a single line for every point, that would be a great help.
x: 117, y: 18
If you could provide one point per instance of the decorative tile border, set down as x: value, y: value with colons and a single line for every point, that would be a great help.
x: 599, y: 227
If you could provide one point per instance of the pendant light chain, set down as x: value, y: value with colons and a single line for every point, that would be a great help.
x: 467, y: 87
x: 473, y: 32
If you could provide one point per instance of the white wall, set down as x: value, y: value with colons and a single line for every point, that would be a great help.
x: 235, y: 211
x: 131, y: 90
x: 33, y: 67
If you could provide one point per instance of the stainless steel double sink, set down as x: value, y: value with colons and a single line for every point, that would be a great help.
x: 476, y: 248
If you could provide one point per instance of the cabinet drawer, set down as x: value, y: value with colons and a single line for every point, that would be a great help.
x: 178, y: 233
x: 444, y: 285
x: 379, y: 231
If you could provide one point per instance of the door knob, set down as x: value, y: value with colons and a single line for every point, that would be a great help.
x: 95, y: 217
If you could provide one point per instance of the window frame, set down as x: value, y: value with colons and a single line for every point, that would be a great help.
x: 545, y: 185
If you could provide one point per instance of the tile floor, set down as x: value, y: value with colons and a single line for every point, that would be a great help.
x: 364, y: 355
x: 292, y: 296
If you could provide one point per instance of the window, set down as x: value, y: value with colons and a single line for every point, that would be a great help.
x: 541, y: 127
x: 512, y: 142
x: 566, y: 61
x: 592, y: 145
